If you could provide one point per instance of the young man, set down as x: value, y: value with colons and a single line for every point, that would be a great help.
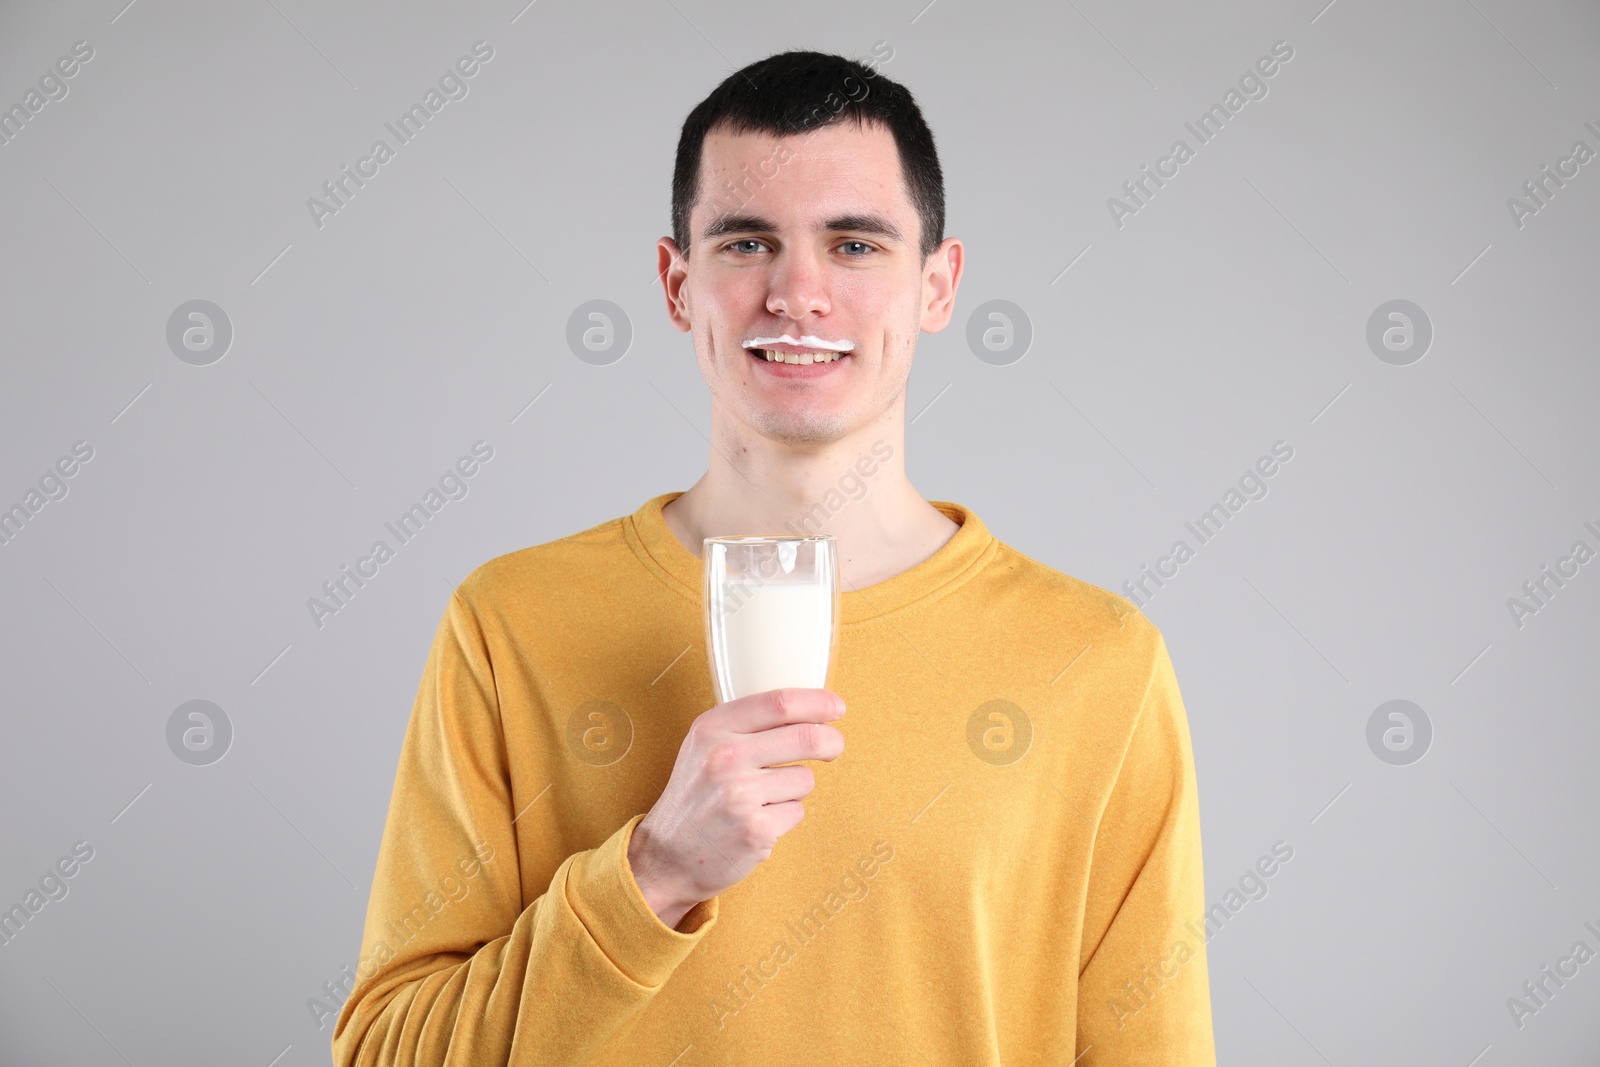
x: 586, y: 863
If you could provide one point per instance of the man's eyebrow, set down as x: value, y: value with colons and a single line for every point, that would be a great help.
x: 860, y: 223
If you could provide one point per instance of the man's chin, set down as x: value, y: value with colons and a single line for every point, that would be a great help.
x: 800, y: 431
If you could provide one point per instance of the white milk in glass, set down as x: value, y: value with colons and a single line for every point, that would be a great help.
x: 776, y: 635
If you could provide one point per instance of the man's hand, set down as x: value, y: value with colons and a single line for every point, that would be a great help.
x: 726, y: 804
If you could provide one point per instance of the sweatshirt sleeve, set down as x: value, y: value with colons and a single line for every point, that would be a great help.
x: 454, y: 969
x: 1144, y: 993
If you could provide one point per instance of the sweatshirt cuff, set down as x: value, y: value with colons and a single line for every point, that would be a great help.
x: 603, y: 894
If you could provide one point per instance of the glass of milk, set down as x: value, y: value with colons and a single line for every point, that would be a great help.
x: 772, y: 613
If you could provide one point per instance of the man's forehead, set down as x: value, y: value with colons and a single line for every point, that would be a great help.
x: 836, y: 177
x: 838, y: 145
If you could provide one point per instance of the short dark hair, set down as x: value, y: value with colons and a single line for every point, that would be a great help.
x: 794, y: 92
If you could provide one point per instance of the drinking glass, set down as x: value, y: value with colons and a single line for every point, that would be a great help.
x: 772, y: 613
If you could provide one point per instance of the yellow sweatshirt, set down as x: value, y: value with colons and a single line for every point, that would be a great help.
x: 1003, y: 867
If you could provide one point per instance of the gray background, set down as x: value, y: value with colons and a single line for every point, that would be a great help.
x: 1229, y: 313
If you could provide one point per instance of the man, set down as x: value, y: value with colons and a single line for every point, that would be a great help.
x: 586, y: 863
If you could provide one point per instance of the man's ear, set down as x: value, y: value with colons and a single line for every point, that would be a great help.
x: 940, y: 276
x: 673, y: 270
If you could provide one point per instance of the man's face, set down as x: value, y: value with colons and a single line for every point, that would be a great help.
x: 819, y: 243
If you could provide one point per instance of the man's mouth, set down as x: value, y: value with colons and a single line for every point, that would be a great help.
x: 803, y: 351
x: 800, y: 357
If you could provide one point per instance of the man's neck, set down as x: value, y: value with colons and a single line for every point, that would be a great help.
x: 855, y: 490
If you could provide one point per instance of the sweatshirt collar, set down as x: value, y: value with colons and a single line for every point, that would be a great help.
x: 956, y: 561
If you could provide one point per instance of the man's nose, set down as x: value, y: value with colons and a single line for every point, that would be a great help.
x: 799, y: 286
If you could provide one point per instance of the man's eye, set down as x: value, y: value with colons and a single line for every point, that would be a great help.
x: 747, y: 241
x: 864, y: 246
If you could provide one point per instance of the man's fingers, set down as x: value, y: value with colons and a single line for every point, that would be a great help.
x: 797, y: 741
x: 780, y: 785
x: 780, y: 707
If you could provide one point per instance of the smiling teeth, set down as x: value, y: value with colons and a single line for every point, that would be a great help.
x: 799, y: 357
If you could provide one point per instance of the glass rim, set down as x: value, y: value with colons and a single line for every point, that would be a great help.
x: 764, y: 539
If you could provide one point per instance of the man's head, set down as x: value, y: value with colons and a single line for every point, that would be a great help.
x: 808, y: 203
